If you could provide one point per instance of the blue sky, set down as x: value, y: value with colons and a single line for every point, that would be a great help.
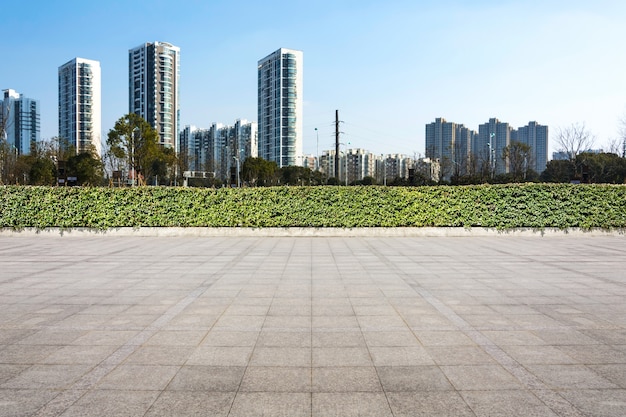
x: 389, y: 67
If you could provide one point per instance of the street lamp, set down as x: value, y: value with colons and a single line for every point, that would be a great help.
x: 492, y: 155
x: 317, y: 154
x: 132, y: 155
x: 238, y: 182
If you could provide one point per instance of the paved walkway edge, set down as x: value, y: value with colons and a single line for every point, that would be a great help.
x: 307, y: 232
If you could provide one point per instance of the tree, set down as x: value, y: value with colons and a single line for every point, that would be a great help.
x: 518, y: 156
x: 573, y: 140
x: 86, y: 167
x: 133, y: 139
x: 295, y: 175
x: 606, y: 168
x: 258, y: 171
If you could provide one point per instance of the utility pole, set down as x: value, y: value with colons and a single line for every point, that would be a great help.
x: 337, y: 144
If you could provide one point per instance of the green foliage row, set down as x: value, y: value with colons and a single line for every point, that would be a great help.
x: 499, y: 206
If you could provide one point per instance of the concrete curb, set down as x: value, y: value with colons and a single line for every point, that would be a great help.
x: 307, y: 232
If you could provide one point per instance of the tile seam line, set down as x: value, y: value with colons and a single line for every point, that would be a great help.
x: 552, y: 400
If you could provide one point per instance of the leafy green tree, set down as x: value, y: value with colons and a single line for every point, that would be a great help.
x: 558, y: 171
x: 607, y: 168
x: 87, y: 168
x: 42, y: 171
x: 133, y: 139
x: 295, y: 175
x: 258, y: 171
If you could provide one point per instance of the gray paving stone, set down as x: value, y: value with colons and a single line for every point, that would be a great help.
x: 428, y: 404
x: 506, y: 404
x: 138, y: 377
x: 350, y: 404
x: 346, y: 379
x: 570, y: 377
x: 600, y: 403
x: 207, y: 378
x: 313, y: 326
x: 412, y: 378
x: 276, y: 379
x: 341, y: 356
x: 271, y: 404
x: 191, y: 404
x: 112, y: 403
x: 480, y: 377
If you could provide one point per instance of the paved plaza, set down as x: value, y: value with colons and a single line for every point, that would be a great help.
x: 313, y: 326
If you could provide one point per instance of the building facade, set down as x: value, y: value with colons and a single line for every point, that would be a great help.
x: 450, y: 144
x: 80, y: 119
x: 535, y: 136
x: 20, y: 121
x: 219, y: 148
x: 492, y: 138
x: 153, y: 88
x: 280, y: 107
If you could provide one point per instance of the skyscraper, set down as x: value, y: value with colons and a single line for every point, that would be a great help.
x: 80, y: 120
x: 493, y: 137
x: 280, y: 103
x: 153, y: 93
x: 535, y: 136
x: 19, y: 121
x: 450, y: 144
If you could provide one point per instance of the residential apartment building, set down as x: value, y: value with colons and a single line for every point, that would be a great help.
x: 219, y: 148
x: 80, y: 103
x: 492, y: 138
x: 450, y: 144
x: 535, y: 136
x: 20, y: 121
x: 280, y: 107
x: 153, y: 88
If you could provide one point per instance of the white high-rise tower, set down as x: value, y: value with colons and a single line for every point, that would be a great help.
x: 80, y: 119
x: 153, y: 92
x: 280, y: 103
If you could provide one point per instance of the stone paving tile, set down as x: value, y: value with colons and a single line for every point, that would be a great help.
x: 207, y: 378
x: 138, y: 377
x: 47, y: 377
x: 400, y: 356
x: 313, y: 326
x: 221, y: 356
x: 350, y: 404
x: 480, y: 377
x: 24, y: 402
x: 506, y: 404
x: 428, y: 404
x: 413, y: 378
x: 276, y: 379
x: 159, y: 355
x: 227, y: 338
x: 112, y: 403
x: 604, y: 403
x: 281, y: 356
x: 191, y: 404
x: 346, y: 379
x: 560, y: 377
x: 341, y: 356
x: 266, y: 404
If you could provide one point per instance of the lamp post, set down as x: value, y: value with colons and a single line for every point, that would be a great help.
x: 492, y: 153
x: 317, y: 150
x: 132, y: 155
x: 238, y: 182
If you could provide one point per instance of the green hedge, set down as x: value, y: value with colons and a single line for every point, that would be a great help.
x: 505, y: 206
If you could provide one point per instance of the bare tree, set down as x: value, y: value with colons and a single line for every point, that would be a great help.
x: 574, y: 139
x: 622, y: 137
x: 615, y: 146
